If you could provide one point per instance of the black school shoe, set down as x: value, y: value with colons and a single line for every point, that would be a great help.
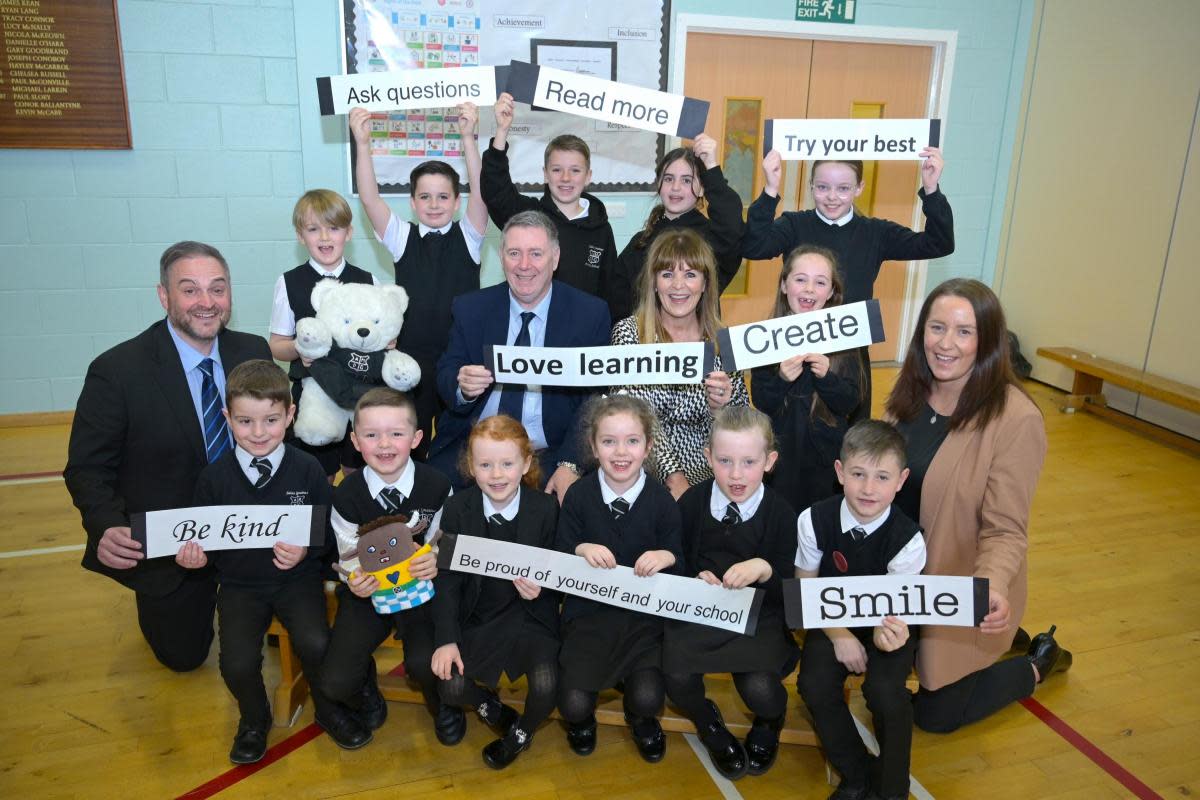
x: 845, y: 791
x: 762, y: 744
x: 449, y: 725
x: 502, y: 752
x: 581, y: 736
x: 1046, y: 654
x: 496, y: 714
x: 726, y: 752
x: 249, y: 743
x: 344, y: 728
x: 373, y: 710
x: 648, y: 735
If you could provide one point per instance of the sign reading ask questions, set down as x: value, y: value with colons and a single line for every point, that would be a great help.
x: 408, y: 89
x: 162, y: 533
x: 670, y: 596
x: 866, y: 139
x: 826, y: 330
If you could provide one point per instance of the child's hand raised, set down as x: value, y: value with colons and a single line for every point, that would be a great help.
x: 652, y: 562
x: 288, y: 555
x: 468, y: 119
x: 504, y: 112
x: 362, y: 584
x: 527, y: 588
x: 891, y: 634
x: 360, y: 126
x: 705, y: 148
x: 597, y: 555
x: 931, y: 168
x: 445, y: 658
x: 191, y: 556
x: 772, y: 173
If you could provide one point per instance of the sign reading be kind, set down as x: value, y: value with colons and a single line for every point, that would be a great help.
x: 162, y: 533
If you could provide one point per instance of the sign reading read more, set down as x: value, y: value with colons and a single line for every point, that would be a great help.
x: 858, y: 139
x: 826, y: 330
x: 61, y: 83
x: 618, y: 365
x: 611, y: 101
x: 162, y: 533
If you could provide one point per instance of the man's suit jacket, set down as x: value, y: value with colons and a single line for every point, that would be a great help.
x: 975, y: 503
x: 575, y: 319
x: 137, y: 444
x: 457, y: 593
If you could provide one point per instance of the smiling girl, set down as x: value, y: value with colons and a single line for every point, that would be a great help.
x: 687, y: 181
x: 677, y: 302
x: 810, y: 396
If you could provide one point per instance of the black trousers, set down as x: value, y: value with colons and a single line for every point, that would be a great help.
x: 821, y: 682
x: 245, y: 615
x: 974, y: 697
x: 358, y: 630
x: 179, y: 626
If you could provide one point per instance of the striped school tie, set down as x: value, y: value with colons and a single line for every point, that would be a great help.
x: 733, y: 515
x: 619, y: 507
x: 390, y: 498
x: 216, y: 431
x: 263, y: 465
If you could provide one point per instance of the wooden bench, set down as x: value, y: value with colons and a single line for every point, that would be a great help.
x: 1087, y: 391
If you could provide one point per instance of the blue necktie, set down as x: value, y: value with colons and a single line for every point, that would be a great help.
x: 216, y: 432
x: 513, y: 394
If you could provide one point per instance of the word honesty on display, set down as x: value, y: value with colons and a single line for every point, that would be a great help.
x: 859, y: 602
x: 409, y: 89
x: 670, y: 596
x: 611, y: 101
x: 619, y: 365
x: 826, y: 330
x: 162, y: 533
x: 866, y: 139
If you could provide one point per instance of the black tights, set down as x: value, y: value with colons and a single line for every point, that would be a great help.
x: 539, y: 702
x: 762, y: 692
x: 643, y: 698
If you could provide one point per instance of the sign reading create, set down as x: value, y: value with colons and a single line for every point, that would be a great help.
x: 826, y: 330
x: 619, y: 365
x: 859, y: 602
x: 409, y: 89
x: 162, y: 533
x: 670, y: 596
x: 596, y: 98
x: 865, y: 139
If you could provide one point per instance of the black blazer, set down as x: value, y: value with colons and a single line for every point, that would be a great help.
x: 136, y: 442
x: 456, y: 593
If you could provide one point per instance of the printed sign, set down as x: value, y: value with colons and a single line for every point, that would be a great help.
x: 865, y: 139
x: 826, y: 330
x: 409, y: 89
x: 596, y: 98
x: 618, y: 365
x: 162, y: 533
x: 670, y: 596
x: 859, y: 602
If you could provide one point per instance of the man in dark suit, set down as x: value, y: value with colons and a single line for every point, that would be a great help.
x: 530, y: 308
x: 147, y: 421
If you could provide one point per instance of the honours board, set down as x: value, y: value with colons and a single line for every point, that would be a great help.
x: 61, y: 81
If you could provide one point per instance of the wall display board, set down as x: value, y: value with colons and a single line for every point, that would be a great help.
x: 621, y: 41
x: 61, y: 81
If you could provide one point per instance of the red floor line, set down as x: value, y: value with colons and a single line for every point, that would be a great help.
x: 1077, y: 740
x: 23, y: 475
x: 237, y: 774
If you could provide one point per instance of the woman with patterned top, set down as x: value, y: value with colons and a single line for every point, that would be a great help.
x: 677, y: 302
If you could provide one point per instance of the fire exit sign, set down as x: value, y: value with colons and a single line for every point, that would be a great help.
x: 825, y: 10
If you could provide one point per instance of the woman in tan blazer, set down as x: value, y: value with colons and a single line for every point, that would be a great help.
x: 976, y: 443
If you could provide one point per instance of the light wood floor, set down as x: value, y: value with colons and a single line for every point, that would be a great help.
x: 87, y: 712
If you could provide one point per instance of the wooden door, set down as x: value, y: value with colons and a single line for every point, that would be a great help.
x: 797, y: 78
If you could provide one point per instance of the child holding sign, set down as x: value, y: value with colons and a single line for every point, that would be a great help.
x: 616, y: 515
x: 686, y: 181
x: 485, y: 626
x: 738, y: 533
x: 588, y: 250
x: 862, y: 533
x: 809, y: 396
x: 284, y: 580
x: 861, y: 243
x: 436, y: 259
x: 391, y: 484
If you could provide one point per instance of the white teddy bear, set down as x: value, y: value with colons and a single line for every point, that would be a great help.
x: 347, y: 341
